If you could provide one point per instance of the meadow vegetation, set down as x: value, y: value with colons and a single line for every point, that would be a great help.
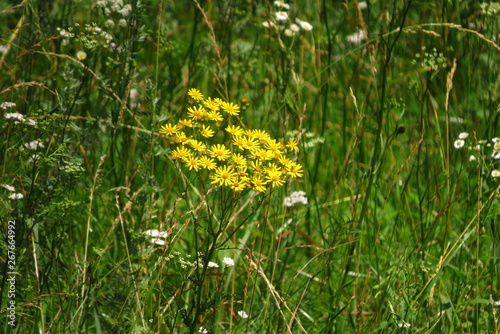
x: 250, y: 166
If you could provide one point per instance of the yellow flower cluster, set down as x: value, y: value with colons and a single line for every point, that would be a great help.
x: 248, y: 159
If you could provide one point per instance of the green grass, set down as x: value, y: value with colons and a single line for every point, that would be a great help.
x: 400, y: 233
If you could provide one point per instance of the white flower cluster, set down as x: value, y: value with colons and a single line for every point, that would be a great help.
x: 34, y: 145
x: 281, y: 16
x: 294, y: 198
x: 227, y: 261
x: 6, y: 105
x: 358, y: 37
x: 115, y: 6
x: 494, y: 143
x: 18, y: 118
x: 13, y: 194
x: 157, y: 237
x: 91, y: 37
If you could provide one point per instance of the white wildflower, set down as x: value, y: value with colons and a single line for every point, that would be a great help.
x: 268, y: 24
x: 6, y: 105
x: 9, y: 188
x: 495, y: 173
x: 34, y: 145
x: 158, y: 241
x: 228, y: 262
x: 463, y: 135
x: 281, y: 16
x: 4, y: 48
x: 357, y: 38
x: 289, y: 32
x: 472, y: 158
x: 212, y: 265
x: 495, y: 155
x: 362, y: 5
x: 282, y: 4
x: 81, y: 55
x: 243, y: 314
x: 305, y: 25
x: 156, y: 234
x: 202, y: 330
x: 459, y: 143
x: 16, y: 196
x: 294, y: 198
x: 294, y: 28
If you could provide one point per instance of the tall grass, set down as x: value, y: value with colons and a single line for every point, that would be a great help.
x: 400, y: 232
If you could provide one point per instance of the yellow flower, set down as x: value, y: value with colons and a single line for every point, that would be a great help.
x: 195, y: 94
x: 215, y: 116
x: 230, y: 108
x: 181, y: 152
x: 220, y: 152
x: 169, y: 129
x: 256, y: 167
x: 224, y: 176
x: 274, y: 146
x: 261, y: 154
x: 206, y: 131
x: 185, y: 122
x: 197, y: 145
x: 239, y: 159
x: 239, y: 141
x: 208, y: 163
x: 260, y: 135
x: 197, y: 113
x: 181, y: 138
x: 211, y: 104
x: 274, y: 178
x: 284, y: 161
x: 238, y: 185
x: 294, y: 170
x: 192, y: 162
x: 251, y: 144
x: 234, y: 130
x: 292, y: 144
x: 258, y: 184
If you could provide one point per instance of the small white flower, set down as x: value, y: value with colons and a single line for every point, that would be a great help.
x: 158, y: 241
x: 35, y: 157
x: 362, y: 5
x: 496, y: 140
x: 268, y: 24
x: 496, y: 146
x: 34, y: 145
x: 282, y: 4
x: 404, y: 325
x: 483, y: 141
x: 495, y: 155
x: 281, y: 16
x: 495, y: 173
x: 294, y: 198
x: 156, y: 234
x: 6, y: 105
x: 15, y: 116
x: 306, y: 25
x: 243, y: 314
x: 463, y: 135
x: 357, y: 38
x: 81, y: 55
x: 228, y: 262
x: 16, y: 196
x: 294, y: 28
x: 9, y: 188
x: 459, y: 143
x: 496, y: 303
x: 202, y: 330
x: 289, y: 33
x: 472, y: 158
x: 212, y: 265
